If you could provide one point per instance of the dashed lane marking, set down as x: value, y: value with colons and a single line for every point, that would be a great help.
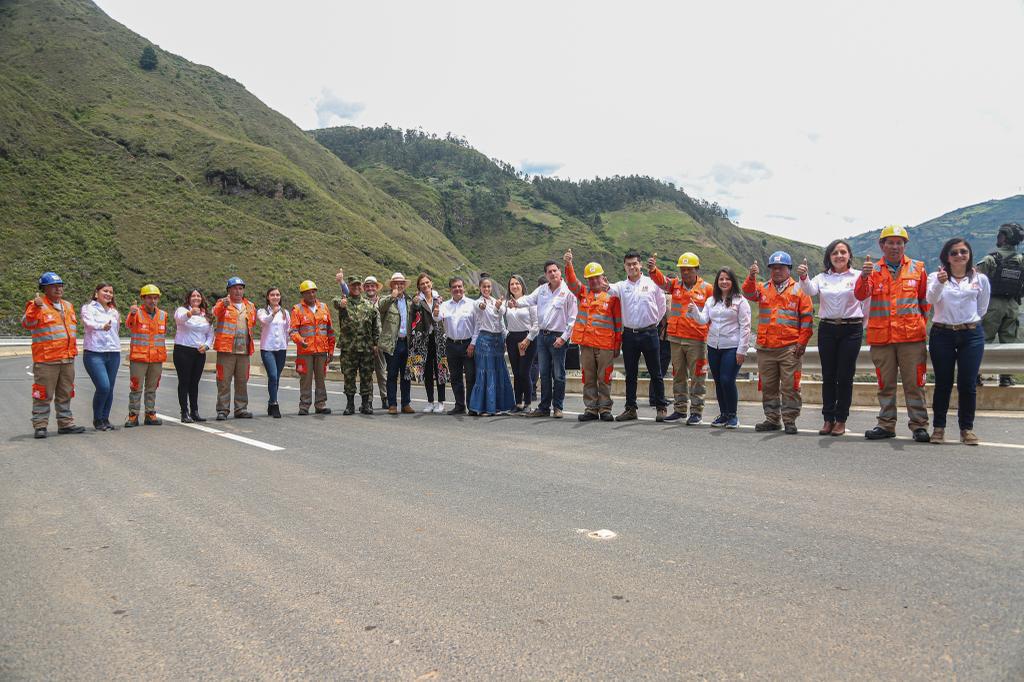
x: 223, y: 434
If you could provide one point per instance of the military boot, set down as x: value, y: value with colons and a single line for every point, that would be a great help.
x: 366, y: 407
x: 350, y: 405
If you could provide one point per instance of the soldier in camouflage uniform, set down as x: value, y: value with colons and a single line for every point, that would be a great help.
x: 358, y: 336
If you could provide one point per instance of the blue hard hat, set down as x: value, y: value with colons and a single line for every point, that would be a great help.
x: 780, y: 258
x: 235, y: 281
x: 48, y: 278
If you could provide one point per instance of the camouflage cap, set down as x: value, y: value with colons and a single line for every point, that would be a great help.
x: 352, y: 279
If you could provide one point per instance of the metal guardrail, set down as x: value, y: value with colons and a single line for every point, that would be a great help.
x: 1005, y: 358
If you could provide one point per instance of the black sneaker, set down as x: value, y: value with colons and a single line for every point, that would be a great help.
x: 878, y: 433
x: 110, y: 427
x: 39, y: 433
x: 607, y: 417
x: 185, y: 418
x: 458, y: 409
x: 675, y: 416
x: 587, y: 417
x: 196, y: 418
x: 222, y: 416
x: 921, y: 436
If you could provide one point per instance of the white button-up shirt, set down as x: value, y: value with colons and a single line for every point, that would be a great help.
x: 835, y: 294
x: 643, y: 302
x: 522, y: 320
x: 556, y: 310
x: 490, y: 319
x: 459, y: 318
x: 959, y: 302
x: 730, y: 325
x: 98, y: 340
x: 273, y: 328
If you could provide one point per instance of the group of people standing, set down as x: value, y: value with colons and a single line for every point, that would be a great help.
x: 404, y: 336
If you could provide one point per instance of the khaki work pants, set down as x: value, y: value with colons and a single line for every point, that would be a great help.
x: 52, y: 381
x: 596, y: 364
x: 143, y: 376
x: 910, y: 361
x: 779, y: 371
x: 232, y: 367
x: 689, y: 370
x: 315, y: 369
x: 380, y: 370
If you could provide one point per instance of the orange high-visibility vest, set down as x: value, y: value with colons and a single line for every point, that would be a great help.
x: 783, y: 318
x: 679, y: 325
x: 228, y: 318
x: 598, y: 318
x: 312, y: 325
x: 53, y: 330
x: 899, y: 309
x: 149, y: 335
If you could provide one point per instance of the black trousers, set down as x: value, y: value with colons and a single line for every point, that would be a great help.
x: 188, y: 364
x: 430, y: 372
x: 462, y: 369
x: 646, y: 343
x: 520, y: 366
x: 839, y: 346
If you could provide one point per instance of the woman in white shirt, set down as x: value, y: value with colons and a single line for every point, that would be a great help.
x: 102, y: 351
x: 274, y: 323
x: 728, y: 340
x: 521, y: 324
x: 959, y: 296
x: 492, y: 390
x: 193, y: 336
x: 840, y: 331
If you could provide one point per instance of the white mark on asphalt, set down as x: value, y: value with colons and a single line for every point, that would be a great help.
x: 603, y: 534
x: 230, y: 436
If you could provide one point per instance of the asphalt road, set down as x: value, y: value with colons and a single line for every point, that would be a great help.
x: 428, y: 546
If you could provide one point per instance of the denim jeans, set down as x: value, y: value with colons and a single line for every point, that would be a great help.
x: 722, y: 363
x: 397, y: 375
x: 273, y: 363
x: 552, y: 371
x: 646, y: 343
x: 102, y: 369
x: 961, y: 349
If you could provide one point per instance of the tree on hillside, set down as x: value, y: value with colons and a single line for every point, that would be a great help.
x: 148, y: 59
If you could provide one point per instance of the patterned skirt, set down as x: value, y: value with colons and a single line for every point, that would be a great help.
x: 416, y: 366
x: 492, y: 391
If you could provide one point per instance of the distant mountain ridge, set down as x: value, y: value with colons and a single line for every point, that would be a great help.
x: 977, y: 223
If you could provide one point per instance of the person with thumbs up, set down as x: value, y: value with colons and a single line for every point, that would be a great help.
x: 897, y: 319
x: 492, y: 390
x: 102, y: 357
x: 427, y: 361
x: 840, y: 331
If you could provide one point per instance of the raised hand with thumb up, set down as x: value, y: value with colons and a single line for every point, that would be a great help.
x: 942, y: 275
x: 801, y: 270
x: 652, y: 262
x: 340, y: 277
x: 567, y: 257
x: 38, y: 300
x: 135, y: 307
x: 867, y: 268
x: 754, y: 270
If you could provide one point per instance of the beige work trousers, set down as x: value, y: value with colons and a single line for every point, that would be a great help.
x: 380, y: 369
x: 596, y: 364
x: 779, y: 371
x: 689, y: 370
x: 52, y: 382
x: 910, y: 361
x: 316, y: 370
x: 232, y: 367
x: 143, y: 377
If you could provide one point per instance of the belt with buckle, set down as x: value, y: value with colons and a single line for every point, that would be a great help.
x: 641, y: 329
x: 551, y: 331
x: 955, y: 327
x: 843, y: 320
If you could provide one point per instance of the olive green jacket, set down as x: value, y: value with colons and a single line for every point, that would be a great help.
x: 391, y: 319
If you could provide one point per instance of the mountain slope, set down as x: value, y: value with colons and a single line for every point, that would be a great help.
x: 508, y: 223
x: 176, y: 175
x: 977, y: 223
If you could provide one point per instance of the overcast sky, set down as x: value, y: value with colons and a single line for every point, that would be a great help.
x: 813, y: 119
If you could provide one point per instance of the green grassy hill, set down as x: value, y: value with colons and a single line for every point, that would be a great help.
x: 176, y: 176
x: 507, y: 223
x: 978, y: 224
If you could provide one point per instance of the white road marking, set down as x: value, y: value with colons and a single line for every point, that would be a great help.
x: 223, y: 434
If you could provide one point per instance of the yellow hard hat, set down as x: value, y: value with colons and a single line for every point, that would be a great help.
x: 307, y: 285
x: 149, y: 290
x: 894, y: 231
x: 688, y: 260
x: 593, y: 270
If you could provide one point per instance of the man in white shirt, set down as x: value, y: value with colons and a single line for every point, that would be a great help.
x: 556, y: 315
x: 459, y: 328
x: 643, y: 306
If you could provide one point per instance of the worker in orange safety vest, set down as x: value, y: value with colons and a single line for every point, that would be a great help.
x: 897, y: 320
x: 53, y: 324
x: 598, y: 333
x: 784, y: 327
x: 148, y: 353
x: 234, y: 316
x: 313, y: 334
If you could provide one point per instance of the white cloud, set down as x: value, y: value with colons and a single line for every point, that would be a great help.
x: 539, y: 167
x: 886, y: 111
x: 331, y: 109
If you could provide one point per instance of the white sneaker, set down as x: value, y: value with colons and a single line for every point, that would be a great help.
x: 429, y: 408
x: 439, y: 408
